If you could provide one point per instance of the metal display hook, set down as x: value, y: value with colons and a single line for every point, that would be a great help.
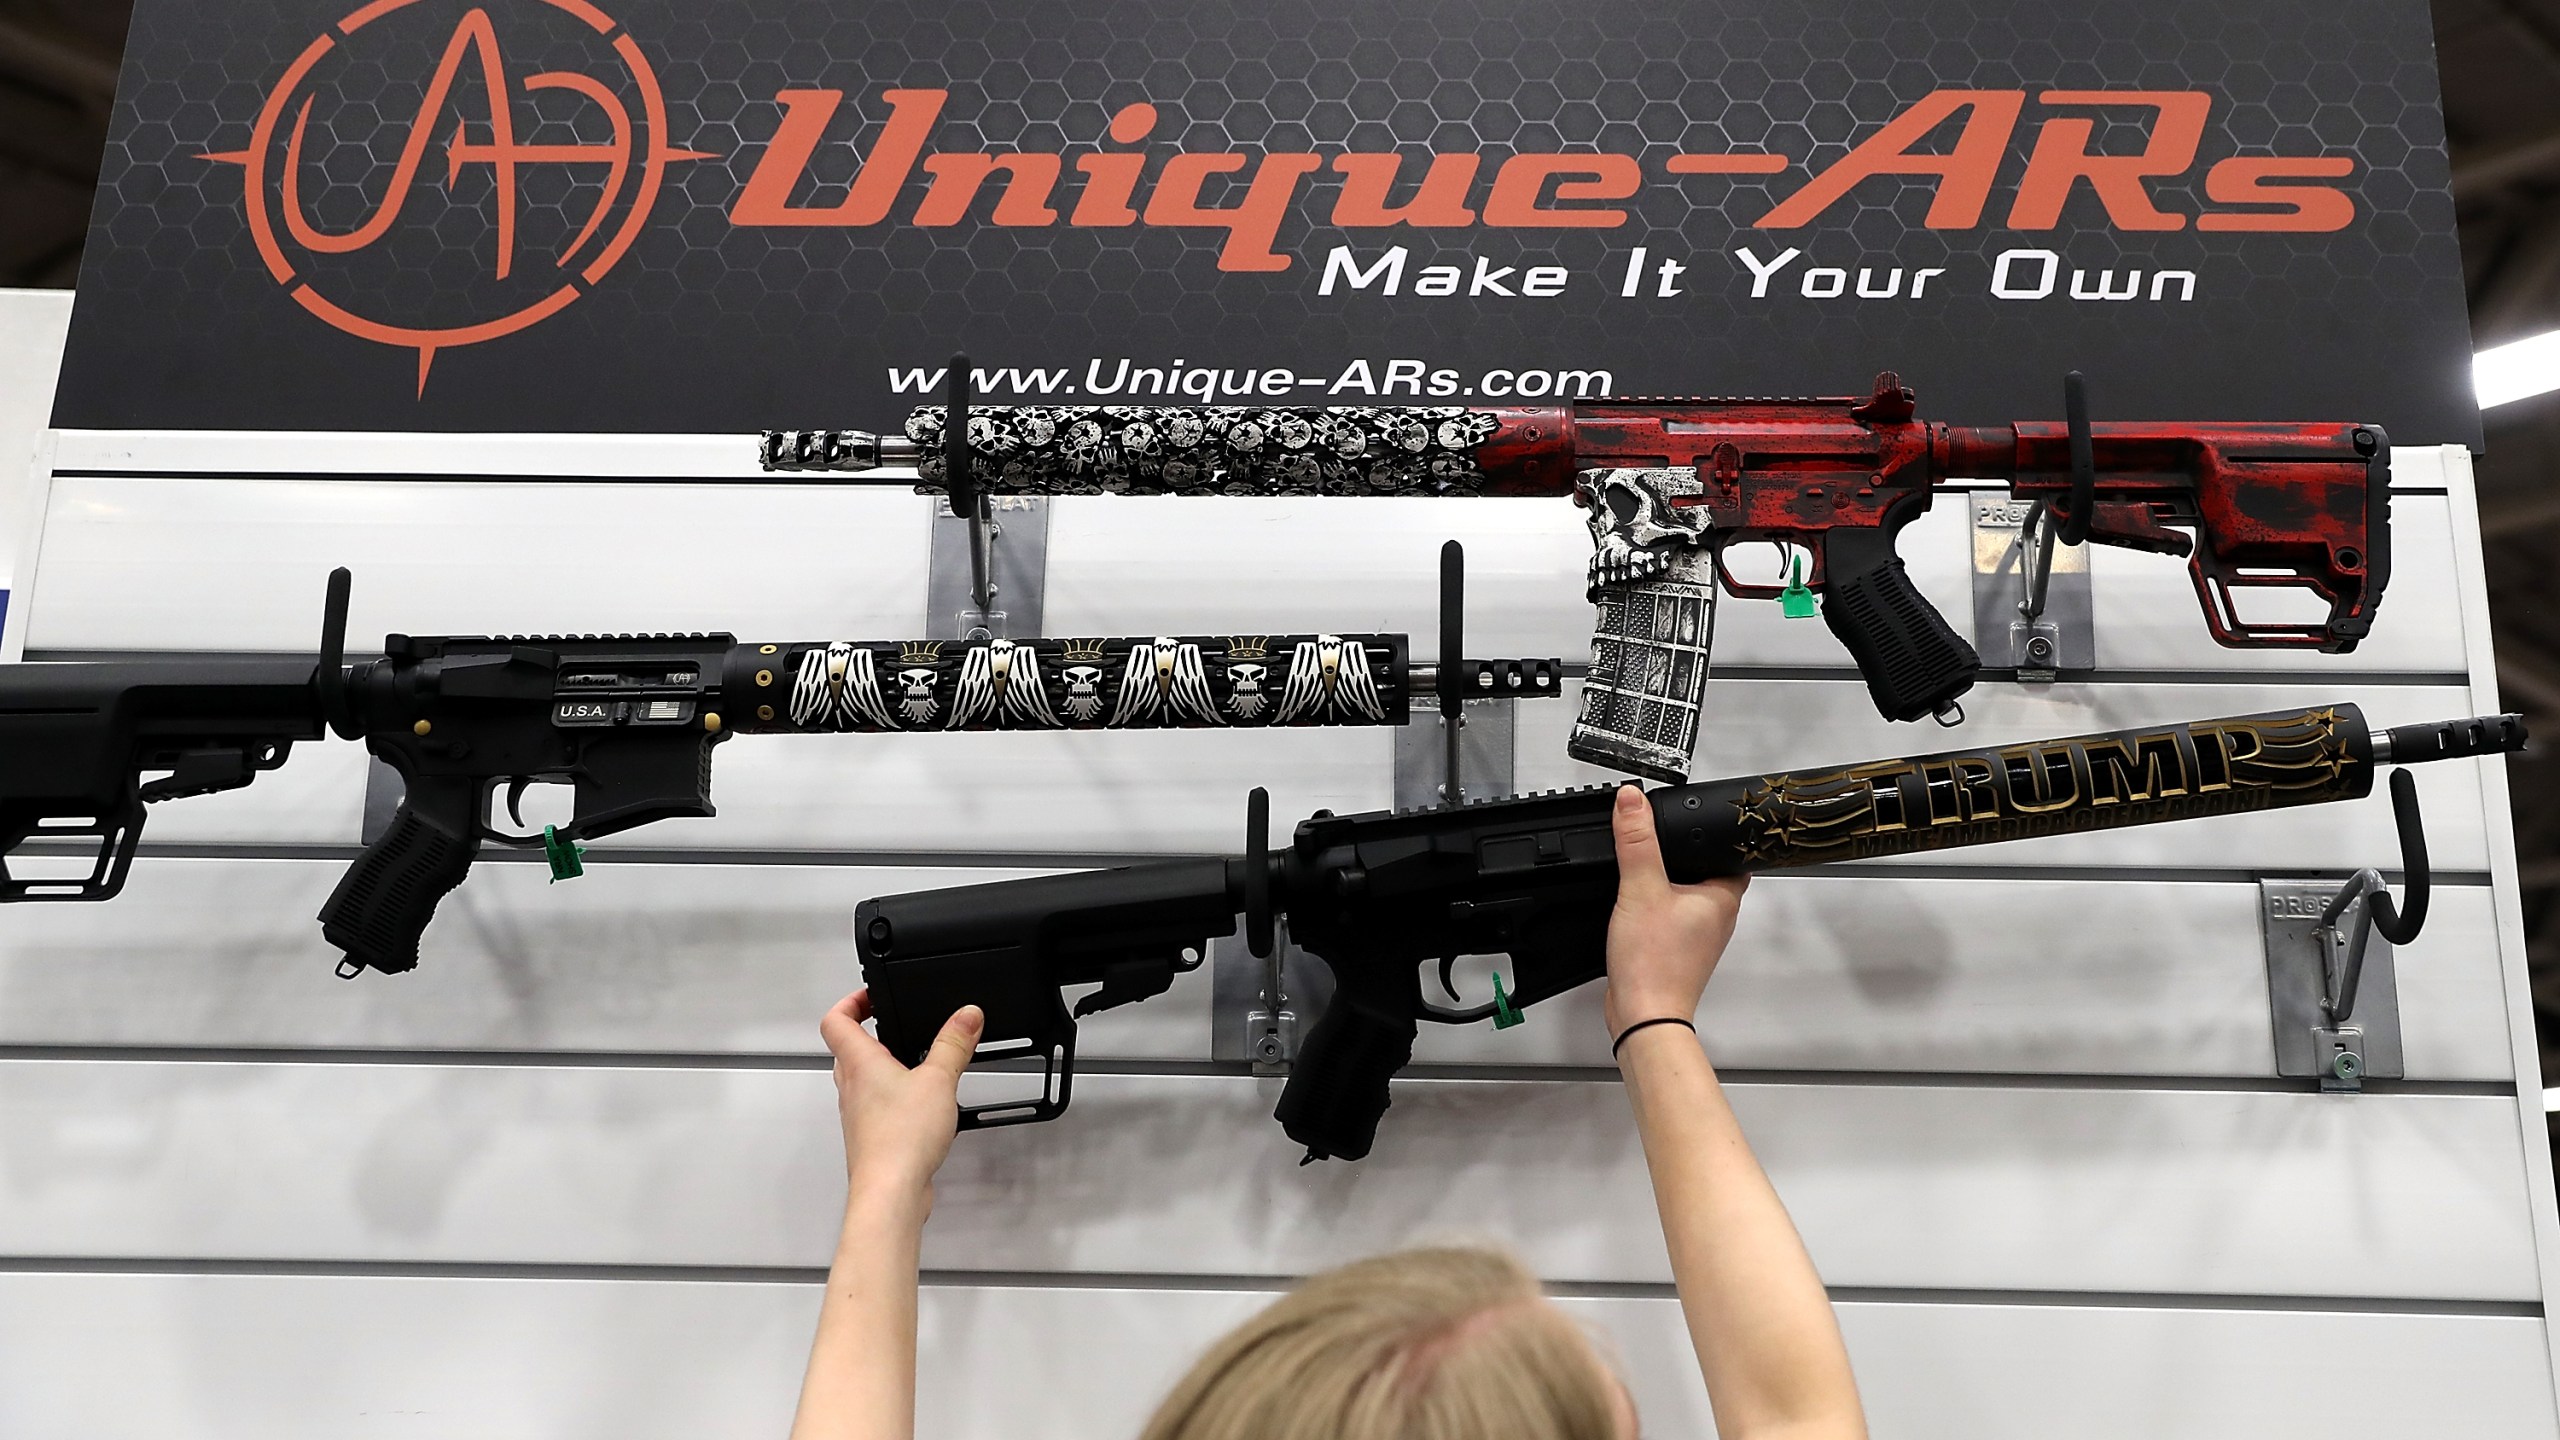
x: 2332, y: 982
x: 2342, y: 954
x: 2022, y: 587
x: 1260, y: 923
x: 1285, y: 985
x: 1451, y: 679
x: 968, y: 502
x: 1287, y: 989
x: 331, y: 676
x: 988, y: 560
x: 2041, y: 533
x: 1469, y: 758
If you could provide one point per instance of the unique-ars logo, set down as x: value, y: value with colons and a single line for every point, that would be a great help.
x: 485, y: 202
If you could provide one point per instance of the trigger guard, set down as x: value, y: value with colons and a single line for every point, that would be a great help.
x: 1470, y: 1016
x: 575, y: 830
x: 1815, y: 576
x: 515, y: 798
x: 1430, y: 1010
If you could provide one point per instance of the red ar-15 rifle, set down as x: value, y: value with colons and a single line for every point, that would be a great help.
x: 1670, y: 482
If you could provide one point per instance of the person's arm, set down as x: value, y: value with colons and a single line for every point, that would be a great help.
x: 898, y: 1125
x: 1767, y: 1342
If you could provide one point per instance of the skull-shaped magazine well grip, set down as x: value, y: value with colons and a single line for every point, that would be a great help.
x: 1653, y: 581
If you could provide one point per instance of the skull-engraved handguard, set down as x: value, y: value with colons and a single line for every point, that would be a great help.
x: 1214, y: 449
x: 1653, y: 579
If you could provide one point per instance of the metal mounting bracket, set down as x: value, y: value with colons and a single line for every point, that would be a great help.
x: 2039, y: 647
x: 1259, y: 1008
x: 1485, y: 749
x: 1017, y: 541
x: 2311, y: 963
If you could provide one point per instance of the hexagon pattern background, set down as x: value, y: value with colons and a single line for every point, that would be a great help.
x: 705, y: 325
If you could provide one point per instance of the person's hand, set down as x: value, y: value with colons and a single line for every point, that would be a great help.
x: 1664, y: 939
x: 898, y: 1122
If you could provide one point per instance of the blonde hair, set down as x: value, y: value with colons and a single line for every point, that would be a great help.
x: 1436, y: 1344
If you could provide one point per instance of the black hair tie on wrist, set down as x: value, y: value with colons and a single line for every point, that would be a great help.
x: 1688, y: 1025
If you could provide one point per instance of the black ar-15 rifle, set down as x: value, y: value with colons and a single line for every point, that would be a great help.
x: 1377, y: 896
x: 628, y: 720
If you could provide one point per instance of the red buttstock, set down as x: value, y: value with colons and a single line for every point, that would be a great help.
x: 2252, y: 506
x: 2304, y: 506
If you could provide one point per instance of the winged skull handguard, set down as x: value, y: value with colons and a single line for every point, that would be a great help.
x: 1128, y: 683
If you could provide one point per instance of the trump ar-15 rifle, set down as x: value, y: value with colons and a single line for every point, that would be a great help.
x: 629, y: 721
x: 1670, y: 483
x: 1377, y: 896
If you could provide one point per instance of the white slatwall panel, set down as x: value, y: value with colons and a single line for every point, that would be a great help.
x: 1827, y: 973
x: 669, y: 958
x: 1928, y: 1186
x: 1889, y: 1026
x: 176, y: 564
x: 191, y: 1357
x: 693, y: 458
x: 32, y: 326
x: 239, y: 564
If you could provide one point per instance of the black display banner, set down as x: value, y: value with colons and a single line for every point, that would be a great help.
x: 697, y: 216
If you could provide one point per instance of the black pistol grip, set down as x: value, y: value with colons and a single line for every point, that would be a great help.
x: 1914, y: 663
x: 1337, y: 1086
x: 384, y: 901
